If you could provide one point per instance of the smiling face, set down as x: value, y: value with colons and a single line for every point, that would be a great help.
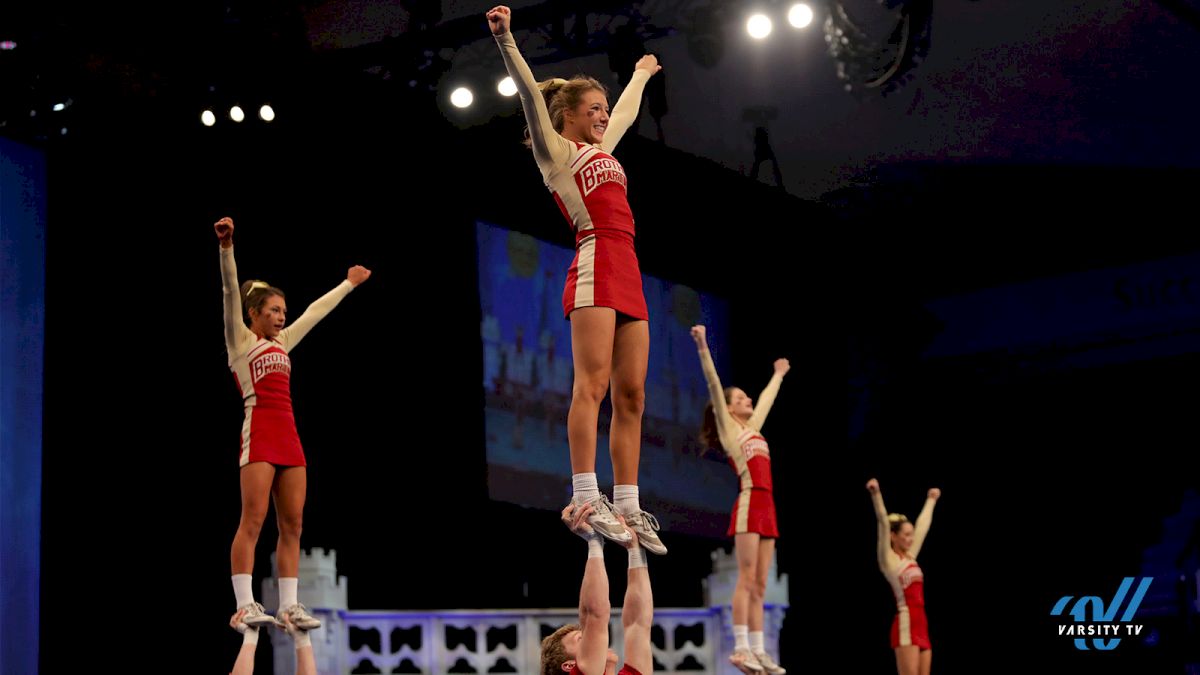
x: 902, y: 536
x: 587, y: 120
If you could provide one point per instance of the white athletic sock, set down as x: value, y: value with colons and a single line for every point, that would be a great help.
x: 287, y: 591
x: 756, y: 641
x: 585, y: 486
x: 243, y: 589
x: 740, y: 639
x: 625, y: 499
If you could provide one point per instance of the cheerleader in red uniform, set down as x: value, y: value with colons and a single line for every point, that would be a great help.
x: 573, y: 137
x: 732, y: 421
x: 899, y: 543
x: 271, y: 458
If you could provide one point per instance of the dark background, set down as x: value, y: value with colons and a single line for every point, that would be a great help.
x: 1053, y: 483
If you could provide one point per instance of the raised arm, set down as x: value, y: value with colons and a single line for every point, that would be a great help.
x: 767, y: 398
x: 594, y: 607
x: 549, y: 147
x: 244, y: 665
x: 716, y: 393
x: 237, y: 337
x: 883, y: 544
x: 292, y: 335
x: 626, y: 110
x: 921, y: 528
x: 306, y: 663
x: 637, y: 613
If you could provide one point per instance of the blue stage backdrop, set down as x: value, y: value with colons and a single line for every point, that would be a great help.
x: 22, y: 311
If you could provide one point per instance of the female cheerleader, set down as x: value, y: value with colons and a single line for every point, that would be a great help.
x: 898, y: 545
x: 733, y: 422
x: 271, y: 459
x: 572, y: 137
